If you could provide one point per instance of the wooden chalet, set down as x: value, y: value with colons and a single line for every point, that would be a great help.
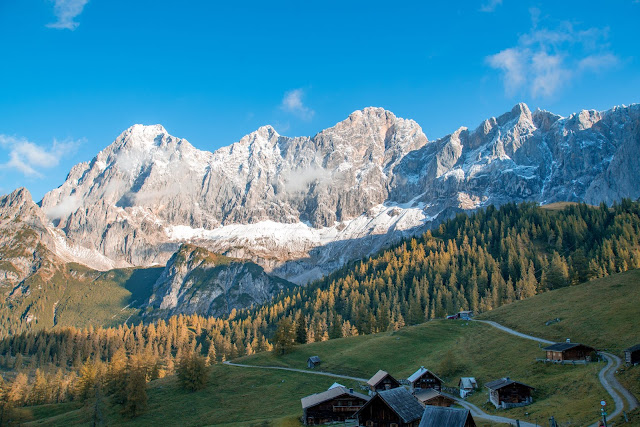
x: 313, y: 361
x: 336, y: 404
x: 424, y: 379
x: 632, y: 355
x: 382, y: 381
x: 506, y: 393
x: 435, y: 416
x: 465, y: 315
x: 433, y: 397
x: 467, y: 386
x: 569, y: 351
x: 396, y: 407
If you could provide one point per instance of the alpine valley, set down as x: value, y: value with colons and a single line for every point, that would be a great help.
x: 152, y: 227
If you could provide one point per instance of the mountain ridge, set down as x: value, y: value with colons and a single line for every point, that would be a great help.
x: 372, y: 175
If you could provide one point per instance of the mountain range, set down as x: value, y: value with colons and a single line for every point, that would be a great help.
x: 299, y: 208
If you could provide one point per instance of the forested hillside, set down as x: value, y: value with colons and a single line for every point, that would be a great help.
x: 479, y: 262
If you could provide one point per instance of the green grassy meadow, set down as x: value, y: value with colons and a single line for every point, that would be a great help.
x: 253, y: 397
x: 602, y: 313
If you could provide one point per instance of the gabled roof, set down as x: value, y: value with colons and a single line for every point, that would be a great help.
x: 402, y: 403
x: 439, y: 416
x: 314, y: 359
x: 334, y: 385
x: 634, y: 348
x: 503, y: 382
x: 420, y: 372
x: 564, y: 346
x: 428, y: 394
x: 332, y: 393
x: 468, y: 382
x: 377, y: 377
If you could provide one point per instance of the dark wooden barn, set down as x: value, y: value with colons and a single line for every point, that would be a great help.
x: 336, y: 404
x: 435, y: 416
x: 507, y: 393
x: 382, y: 381
x: 569, y: 351
x: 313, y: 361
x: 424, y: 379
x: 433, y: 397
x: 632, y: 355
x: 391, y: 408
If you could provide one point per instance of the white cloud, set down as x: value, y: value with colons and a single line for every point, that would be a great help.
x: 598, y: 62
x: 292, y: 103
x: 490, y: 5
x: 66, y: 11
x: 29, y: 158
x: 299, y: 180
x: 545, y: 60
x: 67, y: 206
x: 511, y: 62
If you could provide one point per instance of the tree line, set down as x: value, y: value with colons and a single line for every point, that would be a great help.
x: 477, y: 262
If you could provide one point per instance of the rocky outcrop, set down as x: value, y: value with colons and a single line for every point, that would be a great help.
x: 301, y: 207
x: 196, y: 281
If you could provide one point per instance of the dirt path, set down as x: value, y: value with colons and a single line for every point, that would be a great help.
x: 475, y: 411
x: 516, y: 333
x: 606, y: 375
x: 303, y: 371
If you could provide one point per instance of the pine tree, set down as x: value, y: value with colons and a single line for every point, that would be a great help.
x: 136, y: 391
x: 301, y: 330
x: 192, y: 372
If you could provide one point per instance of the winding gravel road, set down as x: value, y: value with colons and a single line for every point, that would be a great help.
x: 606, y: 375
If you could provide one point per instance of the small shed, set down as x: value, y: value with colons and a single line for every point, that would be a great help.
x: 424, y: 379
x: 435, y: 416
x: 396, y: 407
x: 382, y: 381
x: 467, y: 386
x: 433, y: 397
x: 465, y: 315
x: 569, y: 351
x: 632, y: 355
x: 335, y: 404
x: 313, y: 361
x: 506, y: 393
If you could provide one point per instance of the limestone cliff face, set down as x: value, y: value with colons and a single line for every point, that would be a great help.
x: 198, y: 281
x: 23, y: 238
x: 302, y: 207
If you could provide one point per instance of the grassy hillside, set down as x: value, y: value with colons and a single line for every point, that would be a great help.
x: 74, y: 295
x: 603, y: 313
x: 472, y: 349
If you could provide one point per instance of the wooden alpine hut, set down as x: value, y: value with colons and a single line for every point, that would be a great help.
x: 382, y: 380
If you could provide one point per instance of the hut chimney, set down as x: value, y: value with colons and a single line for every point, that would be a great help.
x: 350, y: 390
x: 568, y: 339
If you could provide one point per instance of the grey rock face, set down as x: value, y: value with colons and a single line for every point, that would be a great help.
x: 23, y: 238
x: 198, y: 281
x: 302, y: 207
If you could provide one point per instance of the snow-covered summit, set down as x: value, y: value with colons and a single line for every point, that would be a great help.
x: 361, y: 175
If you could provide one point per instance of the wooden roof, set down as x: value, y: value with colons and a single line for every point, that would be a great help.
x: 419, y: 373
x: 468, y: 382
x: 440, y: 416
x: 402, y: 403
x: 503, y: 382
x: 564, y: 346
x: 429, y: 393
x: 633, y: 348
x: 377, y: 377
x: 314, y: 359
x: 332, y: 393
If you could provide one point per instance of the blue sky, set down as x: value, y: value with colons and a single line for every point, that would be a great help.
x: 76, y: 73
